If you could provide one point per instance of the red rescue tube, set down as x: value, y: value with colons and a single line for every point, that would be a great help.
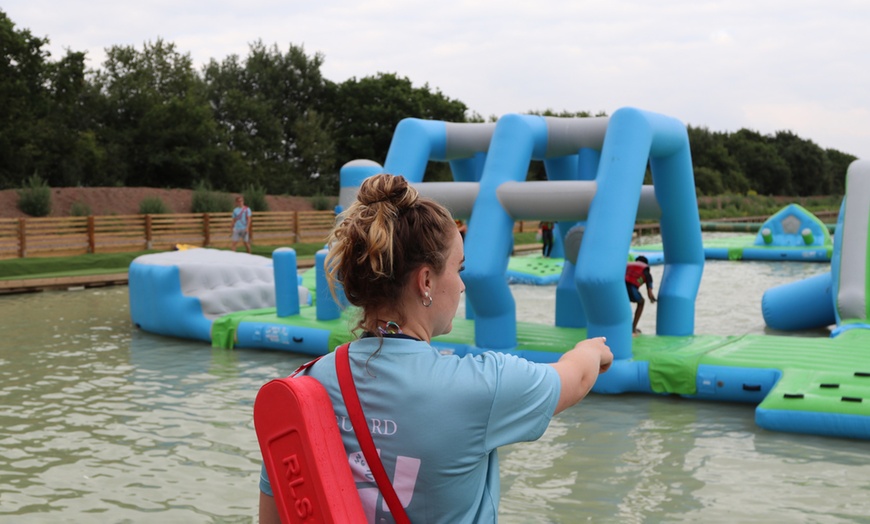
x: 303, y: 453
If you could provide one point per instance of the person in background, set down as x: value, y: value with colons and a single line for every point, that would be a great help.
x: 441, y: 417
x: 241, y: 224
x: 637, y: 274
x: 546, y: 229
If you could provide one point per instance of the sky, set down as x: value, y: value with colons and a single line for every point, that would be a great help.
x: 766, y: 65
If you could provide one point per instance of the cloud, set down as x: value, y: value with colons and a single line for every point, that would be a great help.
x: 797, y: 65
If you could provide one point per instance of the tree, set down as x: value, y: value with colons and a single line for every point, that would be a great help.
x: 23, y: 63
x: 315, y: 162
x: 365, y: 113
x: 807, y: 163
x: 722, y: 172
x: 838, y: 164
x: 155, y: 121
x: 261, y: 105
x: 71, y: 151
x: 768, y: 174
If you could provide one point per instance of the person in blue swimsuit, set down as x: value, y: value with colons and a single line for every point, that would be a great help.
x: 436, y: 419
x: 241, y: 224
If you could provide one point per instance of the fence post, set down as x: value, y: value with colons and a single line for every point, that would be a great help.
x: 147, y: 231
x: 206, y: 229
x: 296, y: 239
x: 92, y: 243
x: 22, y: 237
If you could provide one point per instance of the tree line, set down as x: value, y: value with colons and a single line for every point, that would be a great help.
x: 270, y: 120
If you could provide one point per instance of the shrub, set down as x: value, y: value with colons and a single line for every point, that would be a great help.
x: 34, y: 198
x: 207, y: 201
x: 255, y: 198
x: 321, y: 202
x: 79, y: 209
x: 153, y: 206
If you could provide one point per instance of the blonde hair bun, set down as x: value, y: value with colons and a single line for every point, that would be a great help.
x: 390, y: 189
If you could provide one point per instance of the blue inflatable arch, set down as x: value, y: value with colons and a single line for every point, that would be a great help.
x: 595, y: 167
x: 635, y: 137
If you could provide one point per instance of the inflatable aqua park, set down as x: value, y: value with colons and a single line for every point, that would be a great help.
x: 790, y: 234
x: 595, y: 194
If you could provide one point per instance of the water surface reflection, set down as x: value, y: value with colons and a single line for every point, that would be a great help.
x: 103, y: 423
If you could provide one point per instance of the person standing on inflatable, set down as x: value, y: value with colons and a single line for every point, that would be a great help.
x: 437, y: 419
x: 546, y: 230
x: 637, y: 274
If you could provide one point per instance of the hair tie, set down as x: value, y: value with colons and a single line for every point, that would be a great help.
x: 385, y: 199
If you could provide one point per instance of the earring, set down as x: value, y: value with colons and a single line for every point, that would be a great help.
x: 426, y: 304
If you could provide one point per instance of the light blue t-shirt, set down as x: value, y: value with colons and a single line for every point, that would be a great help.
x: 243, y: 214
x: 437, y: 421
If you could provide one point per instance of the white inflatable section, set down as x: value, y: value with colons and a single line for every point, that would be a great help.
x: 223, y: 281
x: 851, y: 295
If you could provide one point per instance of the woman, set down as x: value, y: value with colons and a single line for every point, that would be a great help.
x: 436, y: 419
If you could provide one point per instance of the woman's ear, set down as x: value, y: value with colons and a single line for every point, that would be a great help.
x: 422, y: 280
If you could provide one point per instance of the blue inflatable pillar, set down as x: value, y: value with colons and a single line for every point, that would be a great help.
x: 489, y: 241
x: 569, y: 307
x: 561, y: 168
x: 286, y: 282
x: 326, y: 307
x: 587, y: 163
x: 351, y: 176
x: 633, y: 138
x: 805, y: 304
x: 674, y: 184
x: 468, y: 169
x: 414, y: 143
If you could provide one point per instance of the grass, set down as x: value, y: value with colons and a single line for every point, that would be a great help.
x: 107, y: 263
x: 734, y: 206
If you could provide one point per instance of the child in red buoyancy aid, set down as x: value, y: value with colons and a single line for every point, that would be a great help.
x: 637, y: 274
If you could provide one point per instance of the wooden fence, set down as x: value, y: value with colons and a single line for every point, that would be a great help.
x: 47, y: 237
x: 66, y: 236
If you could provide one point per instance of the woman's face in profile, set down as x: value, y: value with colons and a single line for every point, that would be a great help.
x: 447, y: 288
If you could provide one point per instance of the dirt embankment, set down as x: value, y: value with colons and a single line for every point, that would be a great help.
x: 125, y: 201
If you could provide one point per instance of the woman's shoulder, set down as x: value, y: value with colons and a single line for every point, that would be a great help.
x: 499, y: 362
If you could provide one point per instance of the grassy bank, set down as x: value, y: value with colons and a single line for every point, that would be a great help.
x: 734, y: 206
x: 105, y: 263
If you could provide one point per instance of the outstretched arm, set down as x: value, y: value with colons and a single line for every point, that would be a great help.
x: 579, y: 369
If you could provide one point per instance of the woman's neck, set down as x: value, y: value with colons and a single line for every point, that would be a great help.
x: 387, y: 323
